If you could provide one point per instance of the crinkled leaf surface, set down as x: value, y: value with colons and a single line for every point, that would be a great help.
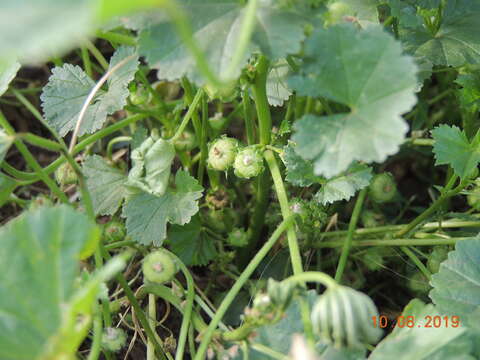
x: 299, y: 171
x: 422, y: 343
x: 8, y: 70
x: 147, y: 215
x: 456, y: 286
x: 106, y: 185
x: 277, y: 88
x: 152, y: 162
x: 69, y: 86
x: 5, y: 142
x: 452, y: 148
x: 457, y: 41
x: 216, y: 25
x: 40, y: 253
x: 34, y: 30
x: 191, y: 244
x: 340, y: 187
x: 344, y: 186
x: 366, y: 71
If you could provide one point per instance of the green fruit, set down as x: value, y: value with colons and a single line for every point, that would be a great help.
x: 113, y: 339
x: 222, y: 153
x: 114, y: 231
x: 139, y: 96
x: 248, y: 163
x: 343, y: 316
x: 437, y: 256
x: 159, y: 267
x: 383, y: 188
x: 186, y: 142
x: 167, y: 90
x: 371, y: 219
x: 217, y: 122
x: 65, y: 175
x: 418, y: 283
x: 237, y: 237
x: 473, y: 197
x: 222, y: 220
x: 280, y: 292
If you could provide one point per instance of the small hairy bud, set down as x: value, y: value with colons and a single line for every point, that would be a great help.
x: 222, y: 153
x: 113, y: 339
x: 248, y: 163
x: 159, y: 267
x: 383, y: 188
x: 65, y: 175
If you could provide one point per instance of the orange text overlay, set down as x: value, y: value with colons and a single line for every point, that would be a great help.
x: 428, y: 321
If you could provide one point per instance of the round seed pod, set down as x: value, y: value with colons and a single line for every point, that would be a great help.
x: 383, y: 188
x: 371, y: 218
x: 114, y: 231
x: 343, y: 316
x: 159, y: 267
x: 65, y: 175
x: 113, y: 339
x: 237, y: 237
x: 222, y: 153
x: 248, y: 163
x: 186, y: 142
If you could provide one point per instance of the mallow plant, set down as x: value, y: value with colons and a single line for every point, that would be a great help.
x: 239, y: 179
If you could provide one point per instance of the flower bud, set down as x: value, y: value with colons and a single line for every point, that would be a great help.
x: 383, y: 188
x: 159, y: 267
x: 248, y: 163
x: 222, y: 153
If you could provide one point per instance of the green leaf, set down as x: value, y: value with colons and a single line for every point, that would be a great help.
x: 344, y: 186
x: 452, y: 148
x: 106, y: 185
x: 455, y: 43
x: 366, y: 71
x: 35, y: 30
x: 456, y: 287
x: 69, y: 86
x: 277, y: 88
x: 8, y: 70
x: 147, y: 215
x: 5, y: 143
x: 152, y: 162
x: 469, y: 93
x: 41, y: 316
x: 216, y: 29
x: 299, y: 171
x: 191, y: 244
x: 420, y: 342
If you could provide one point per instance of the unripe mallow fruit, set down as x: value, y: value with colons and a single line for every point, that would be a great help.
x: 248, y: 163
x: 114, y: 231
x: 383, y: 188
x: 186, y: 141
x: 343, y: 316
x: 65, y: 175
x: 113, y: 339
x: 159, y: 267
x: 222, y: 153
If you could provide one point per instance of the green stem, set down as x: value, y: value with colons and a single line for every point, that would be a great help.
x: 114, y: 141
x: 286, y: 212
x: 114, y: 37
x: 141, y: 316
x: 263, y: 181
x: 269, y: 352
x: 313, y: 276
x: 247, y: 115
x: 31, y: 161
x: 28, y: 176
x: 97, y: 54
x: 97, y: 336
x: 393, y: 242
x: 348, y: 241
x: 417, y: 262
x: 152, y: 320
x: 87, y: 63
x: 203, y: 141
x: 243, y: 278
x: 191, y: 110
x: 40, y: 141
x: 435, y: 205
